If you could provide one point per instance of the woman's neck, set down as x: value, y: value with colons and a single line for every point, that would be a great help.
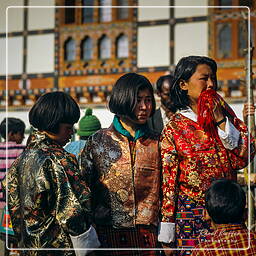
x: 194, y: 108
x: 128, y: 125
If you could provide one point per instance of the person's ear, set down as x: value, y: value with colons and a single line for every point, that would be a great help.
x: 183, y: 85
x: 10, y: 136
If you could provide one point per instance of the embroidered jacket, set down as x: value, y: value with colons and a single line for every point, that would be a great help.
x: 191, y: 160
x: 124, y: 192
x: 47, y: 198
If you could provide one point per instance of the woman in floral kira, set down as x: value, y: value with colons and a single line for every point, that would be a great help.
x: 121, y: 165
x: 203, y: 141
x: 48, y: 201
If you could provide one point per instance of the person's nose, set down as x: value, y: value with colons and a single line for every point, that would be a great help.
x: 143, y: 105
x: 210, y: 84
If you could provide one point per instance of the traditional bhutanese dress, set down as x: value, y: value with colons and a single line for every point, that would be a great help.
x: 191, y: 160
x: 47, y: 199
x: 123, y: 173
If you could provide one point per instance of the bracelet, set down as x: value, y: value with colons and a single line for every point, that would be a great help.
x: 221, y: 121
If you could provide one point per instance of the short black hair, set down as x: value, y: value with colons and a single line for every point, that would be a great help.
x: 52, y: 109
x: 185, y: 68
x: 160, y: 81
x: 225, y: 202
x: 14, y: 125
x: 124, y: 94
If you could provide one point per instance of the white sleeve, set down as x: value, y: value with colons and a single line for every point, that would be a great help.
x: 230, y: 136
x: 85, y: 243
x: 166, y: 232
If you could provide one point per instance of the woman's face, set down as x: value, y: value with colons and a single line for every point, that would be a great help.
x: 202, y: 79
x: 143, y: 107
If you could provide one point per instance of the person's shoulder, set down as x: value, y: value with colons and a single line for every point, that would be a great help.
x: 152, y: 134
x: 175, y: 120
x: 71, y: 145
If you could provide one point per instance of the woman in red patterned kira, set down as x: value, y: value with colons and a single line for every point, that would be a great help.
x: 202, y: 141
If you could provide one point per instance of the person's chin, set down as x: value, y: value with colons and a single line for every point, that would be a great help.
x: 142, y: 121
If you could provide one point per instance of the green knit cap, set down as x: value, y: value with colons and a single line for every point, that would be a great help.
x: 88, y: 124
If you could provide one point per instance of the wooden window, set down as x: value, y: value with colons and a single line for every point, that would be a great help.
x: 248, y: 3
x: 87, y: 13
x: 224, y: 39
x: 104, y: 48
x: 69, y: 50
x: 122, y: 46
x: 225, y: 2
x: 86, y: 49
x: 105, y: 12
x: 69, y: 12
x: 230, y: 30
x: 122, y: 13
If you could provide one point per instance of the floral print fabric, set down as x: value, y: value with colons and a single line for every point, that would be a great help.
x: 47, y: 198
x: 191, y: 160
x: 124, y: 194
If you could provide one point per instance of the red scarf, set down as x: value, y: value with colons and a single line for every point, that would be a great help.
x: 206, y: 102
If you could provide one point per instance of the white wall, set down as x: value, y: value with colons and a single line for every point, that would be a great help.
x: 190, y: 39
x: 153, y: 46
x: 39, y: 17
x: 2, y: 56
x: 15, y: 55
x: 40, y: 58
x: 15, y: 15
x: 153, y: 13
x: 190, y: 11
x: 104, y: 115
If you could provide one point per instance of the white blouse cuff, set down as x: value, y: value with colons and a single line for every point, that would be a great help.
x: 230, y: 136
x: 86, y: 242
x: 166, y: 232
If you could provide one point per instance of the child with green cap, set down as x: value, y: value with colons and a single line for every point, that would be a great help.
x: 88, y: 125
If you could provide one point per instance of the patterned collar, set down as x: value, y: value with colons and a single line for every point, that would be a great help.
x: 39, y: 139
x: 140, y: 132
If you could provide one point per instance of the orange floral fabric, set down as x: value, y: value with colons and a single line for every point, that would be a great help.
x: 191, y: 160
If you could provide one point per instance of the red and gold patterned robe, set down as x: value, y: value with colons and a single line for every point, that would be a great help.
x: 191, y: 160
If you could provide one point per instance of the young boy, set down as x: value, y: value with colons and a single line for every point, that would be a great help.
x: 13, y: 138
x: 225, y: 204
x: 10, y: 149
x: 88, y: 125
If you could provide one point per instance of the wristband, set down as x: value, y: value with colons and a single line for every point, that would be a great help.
x: 221, y: 121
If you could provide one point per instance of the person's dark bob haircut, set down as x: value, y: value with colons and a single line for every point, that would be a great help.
x: 124, y: 95
x: 52, y: 109
x: 225, y: 202
x: 185, y: 68
x: 14, y: 125
x: 160, y: 81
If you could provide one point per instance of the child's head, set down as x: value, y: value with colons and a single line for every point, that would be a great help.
x: 88, y: 125
x: 53, y: 109
x: 124, y: 98
x: 225, y: 202
x: 15, y: 129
